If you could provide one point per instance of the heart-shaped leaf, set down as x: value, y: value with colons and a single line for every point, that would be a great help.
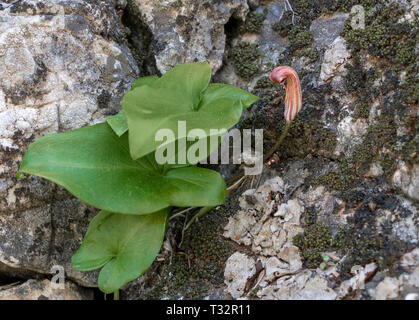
x: 94, y: 164
x: 182, y: 94
x: 125, y: 245
x: 118, y: 122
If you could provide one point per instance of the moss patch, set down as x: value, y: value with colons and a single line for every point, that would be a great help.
x: 254, y: 22
x: 387, y: 38
x: 361, y: 240
x: 198, y: 265
x: 284, y: 26
x: 316, y: 239
x: 177, y: 4
x: 299, y: 38
x: 364, y: 241
x: 246, y: 57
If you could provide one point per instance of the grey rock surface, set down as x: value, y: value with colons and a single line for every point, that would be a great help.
x: 44, y: 290
x: 63, y: 65
x: 327, y: 28
x: 189, y: 30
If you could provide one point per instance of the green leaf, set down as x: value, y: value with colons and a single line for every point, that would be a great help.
x: 143, y: 81
x: 118, y: 122
x: 180, y: 96
x: 325, y: 257
x: 125, y: 245
x: 216, y: 91
x: 185, y: 82
x: 95, y: 166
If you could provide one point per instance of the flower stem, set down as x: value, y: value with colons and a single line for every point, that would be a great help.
x: 116, y: 295
x: 278, y: 142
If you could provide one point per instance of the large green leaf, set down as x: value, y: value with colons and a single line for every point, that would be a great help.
x: 118, y: 122
x: 125, y: 245
x: 94, y: 164
x: 143, y: 81
x: 181, y: 95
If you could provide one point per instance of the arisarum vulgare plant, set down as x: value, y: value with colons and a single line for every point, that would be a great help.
x: 112, y: 166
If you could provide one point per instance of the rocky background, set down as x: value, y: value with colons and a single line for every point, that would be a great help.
x: 334, y: 215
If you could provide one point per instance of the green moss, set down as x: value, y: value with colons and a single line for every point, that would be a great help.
x: 333, y: 180
x: 360, y: 241
x: 299, y: 38
x: 254, y: 22
x: 385, y: 37
x: 411, y: 86
x: 316, y: 239
x: 384, y: 131
x: 306, y: 136
x: 246, y: 57
x: 388, y: 163
x: 198, y: 265
x: 351, y: 170
x: 263, y: 83
x: 284, y: 25
x: 356, y: 77
x: 310, y: 53
x: 362, y: 110
x: 409, y: 152
x: 177, y: 4
x: 264, y: 88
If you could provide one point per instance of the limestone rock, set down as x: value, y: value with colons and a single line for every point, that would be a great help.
x: 44, y: 290
x: 387, y: 289
x: 63, y: 65
x: 334, y: 59
x: 302, y: 286
x: 357, y: 282
x: 407, y: 179
x: 406, y: 285
x: 239, y: 269
x: 189, y: 30
x: 327, y: 28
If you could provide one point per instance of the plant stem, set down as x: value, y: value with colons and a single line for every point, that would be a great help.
x: 116, y: 295
x: 278, y: 142
x: 203, y: 211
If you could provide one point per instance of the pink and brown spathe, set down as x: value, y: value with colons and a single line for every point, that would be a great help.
x: 293, y: 98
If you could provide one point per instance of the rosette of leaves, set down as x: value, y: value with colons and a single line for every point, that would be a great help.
x: 112, y: 166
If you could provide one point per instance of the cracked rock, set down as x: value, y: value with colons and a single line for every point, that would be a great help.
x: 302, y: 286
x: 407, y: 179
x: 239, y: 269
x: 334, y: 60
x: 63, y: 65
x: 44, y: 290
x: 357, y: 282
x: 189, y: 30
